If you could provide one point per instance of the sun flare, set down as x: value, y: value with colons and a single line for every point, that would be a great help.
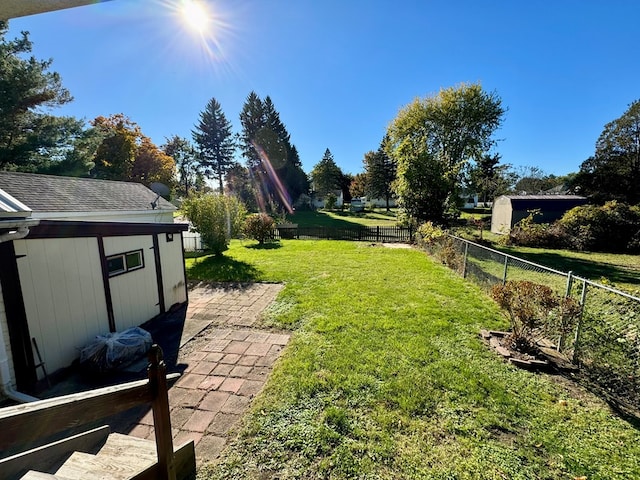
x: 196, y: 15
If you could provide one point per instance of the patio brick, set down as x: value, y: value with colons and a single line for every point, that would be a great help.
x: 231, y: 358
x: 238, y: 347
x: 214, y: 401
x: 212, y: 382
x: 258, y: 349
x: 199, y: 421
x: 222, y: 423
x: 232, y: 385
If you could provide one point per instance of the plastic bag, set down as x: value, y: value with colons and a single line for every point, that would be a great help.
x: 114, y: 350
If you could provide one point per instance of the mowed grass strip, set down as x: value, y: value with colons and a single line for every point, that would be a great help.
x: 385, y: 377
x: 345, y: 218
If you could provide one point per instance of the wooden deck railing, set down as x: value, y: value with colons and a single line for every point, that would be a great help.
x: 28, y: 423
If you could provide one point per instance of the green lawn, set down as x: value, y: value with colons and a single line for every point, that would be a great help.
x: 385, y: 378
x: 619, y: 270
x: 323, y: 218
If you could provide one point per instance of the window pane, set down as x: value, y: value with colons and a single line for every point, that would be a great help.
x: 115, y: 264
x: 134, y: 260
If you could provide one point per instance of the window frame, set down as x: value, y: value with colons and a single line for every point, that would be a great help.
x: 126, y: 268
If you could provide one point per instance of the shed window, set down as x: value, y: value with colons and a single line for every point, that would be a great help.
x: 125, y: 262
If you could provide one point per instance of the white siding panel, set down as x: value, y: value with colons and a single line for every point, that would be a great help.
x: 134, y: 294
x: 63, y: 294
x: 172, y: 261
x: 7, y: 344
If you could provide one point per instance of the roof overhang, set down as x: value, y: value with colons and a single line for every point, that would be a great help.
x: 20, y: 8
x: 11, y: 207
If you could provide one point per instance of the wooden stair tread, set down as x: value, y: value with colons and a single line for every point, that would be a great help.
x: 84, y: 466
x: 119, y: 446
x: 34, y: 475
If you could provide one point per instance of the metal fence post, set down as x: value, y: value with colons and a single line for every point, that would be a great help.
x: 464, y: 264
x: 504, y: 273
x: 567, y: 293
x: 576, y: 340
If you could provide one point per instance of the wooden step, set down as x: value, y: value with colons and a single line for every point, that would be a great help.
x: 49, y: 457
x: 84, y: 466
x: 34, y: 475
x: 125, y: 447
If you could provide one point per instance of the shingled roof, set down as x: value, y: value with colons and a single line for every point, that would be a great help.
x: 47, y: 193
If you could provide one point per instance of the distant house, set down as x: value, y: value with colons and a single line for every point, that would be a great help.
x: 318, y: 202
x: 510, y: 209
x: 79, y: 257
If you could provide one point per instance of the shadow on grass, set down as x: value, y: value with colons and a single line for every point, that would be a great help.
x: 221, y: 268
x: 584, y: 268
x: 265, y: 246
x: 322, y: 219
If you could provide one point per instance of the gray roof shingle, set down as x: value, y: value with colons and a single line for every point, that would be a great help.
x: 48, y: 193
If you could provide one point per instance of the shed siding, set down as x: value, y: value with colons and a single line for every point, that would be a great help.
x: 7, y: 343
x: 134, y: 294
x: 172, y: 270
x: 63, y: 295
x: 501, y: 215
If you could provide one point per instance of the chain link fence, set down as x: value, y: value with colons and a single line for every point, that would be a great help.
x: 604, y: 342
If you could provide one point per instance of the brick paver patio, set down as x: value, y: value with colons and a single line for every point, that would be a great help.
x: 227, y: 363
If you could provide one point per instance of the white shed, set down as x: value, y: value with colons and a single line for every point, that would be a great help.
x: 96, y: 258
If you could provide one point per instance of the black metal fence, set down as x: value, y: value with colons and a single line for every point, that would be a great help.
x: 605, y: 341
x: 356, y: 233
x: 379, y: 234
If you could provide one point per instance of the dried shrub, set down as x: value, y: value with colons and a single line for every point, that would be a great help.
x: 529, y: 306
x: 259, y: 226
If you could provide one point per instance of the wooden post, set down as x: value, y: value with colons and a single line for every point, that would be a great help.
x: 161, y: 419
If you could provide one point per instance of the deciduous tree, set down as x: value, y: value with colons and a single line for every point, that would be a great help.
x: 116, y: 153
x: 358, y: 185
x: 217, y: 218
x: 152, y: 165
x: 381, y: 172
x: 433, y: 138
x: 613, y: 172
x: 185, y: 157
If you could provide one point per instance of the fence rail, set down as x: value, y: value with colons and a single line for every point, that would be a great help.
x: 193, y: 242
x: 605, y: 341
x: 355, y: 233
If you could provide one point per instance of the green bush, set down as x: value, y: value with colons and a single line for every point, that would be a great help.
x: 330, y: 201
x: 428, y: 233
x: 259, y: 226
x: 217, y: 218
x: 528, y: 233
x: 612, y: 227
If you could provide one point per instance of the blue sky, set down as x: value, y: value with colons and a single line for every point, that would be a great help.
x: 338, y: 71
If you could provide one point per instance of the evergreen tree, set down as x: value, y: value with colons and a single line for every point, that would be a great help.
x: 215, y: 141
x: 252, y: 120
x: 30, y: 138
x: 326, y: 175
x: 273, y: 161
